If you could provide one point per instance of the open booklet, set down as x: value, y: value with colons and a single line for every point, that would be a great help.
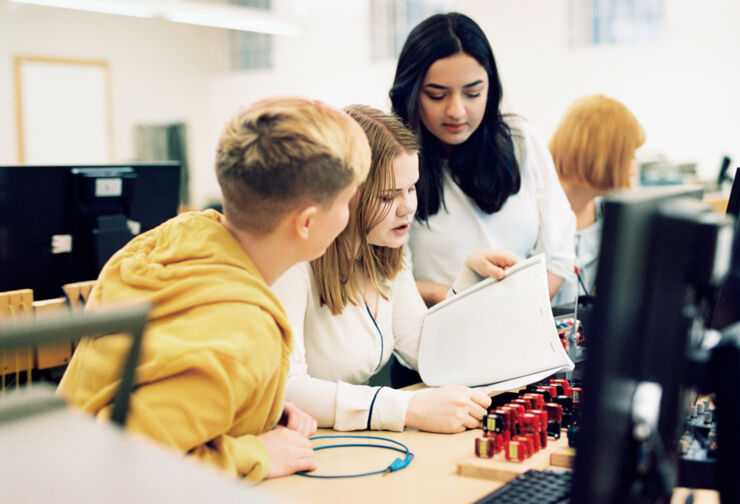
x: 497, y: 334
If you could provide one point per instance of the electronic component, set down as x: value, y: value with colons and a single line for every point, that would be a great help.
x: 493, y: 423
x: 485, y: 447
x: 516, y: 451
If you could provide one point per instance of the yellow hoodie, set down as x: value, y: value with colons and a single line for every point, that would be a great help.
x: 214, y: 356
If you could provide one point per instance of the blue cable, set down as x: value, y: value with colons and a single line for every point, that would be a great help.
x: 396, y: 465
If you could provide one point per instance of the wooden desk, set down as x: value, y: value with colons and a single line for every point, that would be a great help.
x: 430, y: 478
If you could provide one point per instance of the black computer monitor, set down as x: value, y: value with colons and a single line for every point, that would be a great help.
x: 733, y: 203
x: 655, y: 251
x: 725, y: 310
x: 60, y: 224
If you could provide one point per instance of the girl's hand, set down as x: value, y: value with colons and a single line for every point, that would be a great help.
x: 491, y: 263
x: 447, y: 409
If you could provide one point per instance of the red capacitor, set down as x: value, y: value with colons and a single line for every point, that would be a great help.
x: 505, y: 415
x: 530, y: 423
x: 527, y: 403
x: 484, y: 447
x: 498, y: 443
x: 519, y: 408
x: 577, y: 397
x: 544, y: 393
x: 564, y: 383
x: 550, y: 388
x: 515, y: 451
x: 542, y: 415
x: 527, y: 441
x: 538, y: 400
x: 554, y: 412
x: 543, y: 438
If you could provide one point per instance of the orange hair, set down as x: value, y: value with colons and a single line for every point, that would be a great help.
x: 595, y: 143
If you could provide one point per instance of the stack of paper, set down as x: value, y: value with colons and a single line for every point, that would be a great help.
x: 498, y: 334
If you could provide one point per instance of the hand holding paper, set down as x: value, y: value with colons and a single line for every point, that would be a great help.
x: 498, y: 333
x: 491, y: 263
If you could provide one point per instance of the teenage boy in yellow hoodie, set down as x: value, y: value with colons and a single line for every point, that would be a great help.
x: 214, y: 360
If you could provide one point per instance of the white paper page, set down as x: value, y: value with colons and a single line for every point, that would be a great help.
x: 493, y: 332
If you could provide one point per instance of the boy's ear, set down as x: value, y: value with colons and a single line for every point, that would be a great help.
x: 304, y: 221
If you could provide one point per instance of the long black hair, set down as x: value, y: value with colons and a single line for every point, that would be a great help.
x: 484, y: 166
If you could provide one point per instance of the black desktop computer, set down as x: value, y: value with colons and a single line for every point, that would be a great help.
x: 661, y: 260
x: 663, y: 256
x: 60, y: 224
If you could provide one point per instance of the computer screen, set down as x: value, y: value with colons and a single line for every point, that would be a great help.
x: 733, y: 203
x: 725, y: 310
x: 649, y: 266
x: 60, y: 224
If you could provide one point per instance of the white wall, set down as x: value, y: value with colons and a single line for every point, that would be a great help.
x: 683, y: 89
x: 330, y: 62
x: 160, y: 71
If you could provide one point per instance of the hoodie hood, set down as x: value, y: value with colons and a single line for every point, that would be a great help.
x: 174, y: 267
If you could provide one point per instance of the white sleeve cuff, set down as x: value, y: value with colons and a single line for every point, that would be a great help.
x: 382, y: 408
x: 563, y: 268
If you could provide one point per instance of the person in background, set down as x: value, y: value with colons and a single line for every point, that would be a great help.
x: 593, y: 148
x: 215, y: 354
x: 358, y: 303
x: 486, y: 181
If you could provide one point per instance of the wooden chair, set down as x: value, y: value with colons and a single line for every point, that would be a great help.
x: 15, y: 305
x: 78, y: 292
x: 57, y: 354
x: 77, y: 295
x: 64, y: 327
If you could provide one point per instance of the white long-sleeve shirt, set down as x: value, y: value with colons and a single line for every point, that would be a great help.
x: 536, y: 219
x: 334, y: 355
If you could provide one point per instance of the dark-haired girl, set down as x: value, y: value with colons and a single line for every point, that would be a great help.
x: 485, y: 180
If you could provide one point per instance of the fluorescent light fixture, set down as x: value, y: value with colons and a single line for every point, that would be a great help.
x: 195, y: 13
x: 122, y: 8
x: 231, y: 17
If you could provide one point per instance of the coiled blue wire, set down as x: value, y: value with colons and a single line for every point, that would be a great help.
x: 396, y: 465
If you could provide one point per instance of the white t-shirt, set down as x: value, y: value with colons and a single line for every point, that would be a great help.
x: 536, y: 219
x: 334, y: 355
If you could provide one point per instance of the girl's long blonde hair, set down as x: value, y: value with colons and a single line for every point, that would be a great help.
x: 350, y: 252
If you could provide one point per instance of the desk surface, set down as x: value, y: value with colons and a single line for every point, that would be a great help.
x: 430, y: 478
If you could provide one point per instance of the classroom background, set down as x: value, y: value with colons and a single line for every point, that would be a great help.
x: 674, y: 63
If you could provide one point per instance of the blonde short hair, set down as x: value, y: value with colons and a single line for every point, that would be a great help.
x: 350, y: 252
x: 595, y: 143
x: 281, y: 153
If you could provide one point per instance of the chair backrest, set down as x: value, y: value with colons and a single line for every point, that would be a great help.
x: 56, y: 354
x: 78, y: 292
x: 14, y: 305
x: 131, y: 320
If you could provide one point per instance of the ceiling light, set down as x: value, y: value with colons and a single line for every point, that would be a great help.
x: 122, y: 8
x: 231, y: 17
x: 201, y: 14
